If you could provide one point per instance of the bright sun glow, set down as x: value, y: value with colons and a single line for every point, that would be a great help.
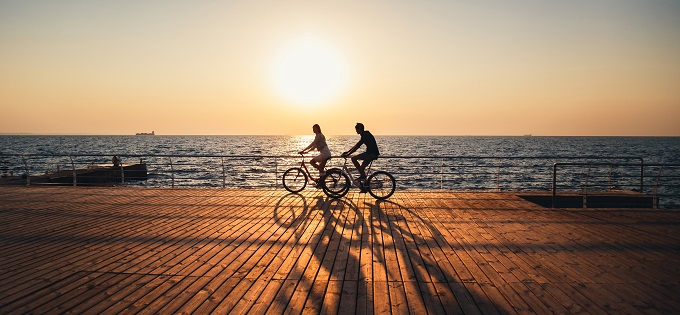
x: 309, y: 72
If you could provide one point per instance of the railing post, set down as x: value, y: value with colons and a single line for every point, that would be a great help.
x: 611, y: 170
x: 441, y: 176
x: 28, y: 174
x: 172, y: 173
x: 656, y: 187
x: 276, y: 173
x: 224, y: 174
x: 585, y: 188
x: 122, y: 172
x: 554, y: 184
x: 498, y: 176
x: 642, y: 174
x: 73, y: 166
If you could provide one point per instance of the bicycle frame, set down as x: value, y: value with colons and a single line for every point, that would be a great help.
x: 303, y: 166
x: 295, y: 179
x: 355, y: 181
x: 338, y: 181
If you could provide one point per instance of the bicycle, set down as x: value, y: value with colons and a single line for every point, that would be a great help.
x: 337, y: 181
x: 295, y: 178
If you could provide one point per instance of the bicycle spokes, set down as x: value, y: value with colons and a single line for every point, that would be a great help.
x: 335, y: 183
x: 294, y: 180
x: 381, y: 185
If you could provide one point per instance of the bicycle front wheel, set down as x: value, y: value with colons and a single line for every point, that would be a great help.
x: 381, y: 185
x: 294, y: 180
x: 335, y: 183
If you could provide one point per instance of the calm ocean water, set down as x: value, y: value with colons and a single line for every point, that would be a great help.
x: 477, y: 163
x: 652, y: 149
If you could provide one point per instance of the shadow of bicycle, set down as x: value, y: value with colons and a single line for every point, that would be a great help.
x: 371, y: 257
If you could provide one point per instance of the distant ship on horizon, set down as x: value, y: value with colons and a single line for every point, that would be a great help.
x: 152, y: 133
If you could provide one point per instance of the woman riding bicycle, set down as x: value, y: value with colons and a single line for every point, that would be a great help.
x: 319, y: 143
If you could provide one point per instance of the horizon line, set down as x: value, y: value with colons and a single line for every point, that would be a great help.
x: 338, y: 135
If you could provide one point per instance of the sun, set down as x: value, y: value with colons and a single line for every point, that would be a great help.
x: 309, y: 71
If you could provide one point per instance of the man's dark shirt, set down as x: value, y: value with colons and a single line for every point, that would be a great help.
x: 368, y: 139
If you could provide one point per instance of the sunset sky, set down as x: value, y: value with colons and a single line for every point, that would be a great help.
x: 581, y: 67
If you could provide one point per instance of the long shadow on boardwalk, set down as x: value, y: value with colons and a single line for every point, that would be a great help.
x: 111, y: 250
x: 371, y: 261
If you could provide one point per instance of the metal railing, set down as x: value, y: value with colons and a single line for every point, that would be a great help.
x: 622, y: 177
x: 463, y: 173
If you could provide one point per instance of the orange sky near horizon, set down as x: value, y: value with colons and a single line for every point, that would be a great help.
x: 602, y: 67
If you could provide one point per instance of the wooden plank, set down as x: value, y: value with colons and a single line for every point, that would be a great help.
x: 288, y: 269
x: 464, y: 298
x: 245, y: 293
x: 327, y: 253
x: 543, y: 258
x: 125, y: 297
x: 284, y: 246
x: 106, y: 297
x: 331, y: 298
x: 282, y: 299
x: 491, y: 280
x: 344, y: 258
x: 228, y: 279
x: 515, y: 291
x: 411, y: 235
x: 100, y: 250
x: 267, y: 297
x: 34, y: 290
x: 315, y: 298
x: 522, y: 299
x: 349, y: 297
x: 590, y: 260
x: 310, y: 264
x: 198, y: 291
x: 260, y: 273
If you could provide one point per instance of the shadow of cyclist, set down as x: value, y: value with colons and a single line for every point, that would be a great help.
x: 344, y: 257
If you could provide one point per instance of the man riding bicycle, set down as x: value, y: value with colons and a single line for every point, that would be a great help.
x: 371, y: 153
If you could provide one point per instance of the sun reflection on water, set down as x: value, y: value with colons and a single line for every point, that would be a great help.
x: 297, y: 143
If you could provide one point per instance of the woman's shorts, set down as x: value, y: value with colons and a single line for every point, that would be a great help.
x: 324, y: 154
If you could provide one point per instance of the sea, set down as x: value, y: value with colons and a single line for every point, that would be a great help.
x: 493, y: 163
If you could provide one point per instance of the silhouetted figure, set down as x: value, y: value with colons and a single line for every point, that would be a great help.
x: 116, y: 161
x: 371, y: 153
x: 319, y: 143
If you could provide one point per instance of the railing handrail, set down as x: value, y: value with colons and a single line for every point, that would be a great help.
x: 613, y: 164
x: 334, y: 156
x: 448, y: 169
x: 589, y: 164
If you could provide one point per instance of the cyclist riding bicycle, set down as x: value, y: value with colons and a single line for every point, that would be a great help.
x: 371, y: 153
x: 319, y: 143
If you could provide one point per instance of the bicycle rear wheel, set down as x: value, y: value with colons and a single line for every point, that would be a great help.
x: 381, y: 185
x: 294, y: 180
x: 335, y: 183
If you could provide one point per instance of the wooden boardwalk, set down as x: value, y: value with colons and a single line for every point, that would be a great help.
x: 166, y: 251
